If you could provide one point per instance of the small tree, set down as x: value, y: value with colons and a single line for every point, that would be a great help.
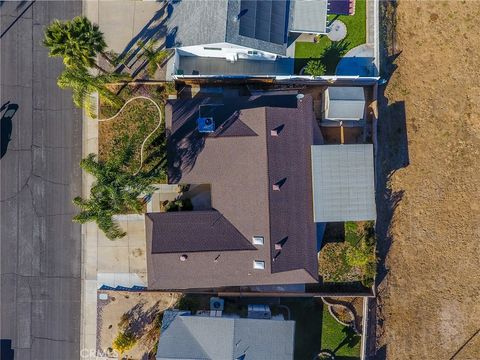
x: 124, y: 341
x: 116, y: 191
x: 154, y: 56
x: 83, y: 84
x: 315, y: 68
x: 77, y: 41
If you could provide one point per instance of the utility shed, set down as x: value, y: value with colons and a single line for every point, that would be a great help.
x: 309, y: 16
x: 344, y: 103
x: 343, y: 183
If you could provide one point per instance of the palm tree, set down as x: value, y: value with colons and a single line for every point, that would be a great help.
x: 116, y: 191
x: 83, y: 84
x: 154, y: 56
x: 77, y: 41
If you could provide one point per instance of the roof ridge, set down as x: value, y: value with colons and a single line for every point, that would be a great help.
x: 195, y: 339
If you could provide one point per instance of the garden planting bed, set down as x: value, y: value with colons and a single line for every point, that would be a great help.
x: 137, y: 314
x: 130, y: 128
x: 348, y: 253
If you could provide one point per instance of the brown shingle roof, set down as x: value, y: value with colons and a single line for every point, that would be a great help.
x: 200, y: 231
x: 291, y: 208
x: 242, y: 169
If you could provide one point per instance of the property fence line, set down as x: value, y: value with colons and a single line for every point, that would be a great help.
x: 363, y: 345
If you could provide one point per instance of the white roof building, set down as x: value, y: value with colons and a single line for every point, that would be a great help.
x: 343, y: 183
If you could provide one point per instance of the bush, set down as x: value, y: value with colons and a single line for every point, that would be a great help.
x: 178, y: 205
x: 315, y: 68
x: 124, y: 341
x: 190, y: 303
x: 352, y: 260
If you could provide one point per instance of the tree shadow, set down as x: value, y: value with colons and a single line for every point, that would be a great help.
x: 351, y: 339
x: 153, y: 30
x: 332, y: 54
x: 6, y: 125
x: 185, y: 143
x: 140, y: 318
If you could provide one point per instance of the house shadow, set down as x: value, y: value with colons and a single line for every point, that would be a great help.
x: 6, y: 351
x: 6, y: 125
x: 392, y: 155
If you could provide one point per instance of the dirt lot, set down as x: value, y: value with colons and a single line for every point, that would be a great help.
x: 135, y: 312
x: 430, y: 282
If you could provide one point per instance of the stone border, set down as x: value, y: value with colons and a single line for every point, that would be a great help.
x: 330, y: 303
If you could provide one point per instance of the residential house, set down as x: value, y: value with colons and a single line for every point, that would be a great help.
x: 239, y: 37
x: 184, y: 336
x: 260, y: 230
x: 272, y: 182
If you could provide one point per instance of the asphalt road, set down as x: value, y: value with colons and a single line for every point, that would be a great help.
x: 40, y: 246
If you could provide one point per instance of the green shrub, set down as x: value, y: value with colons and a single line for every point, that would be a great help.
x: 178, y: 205
x: 124, y: 341
x: 190, y: 303
x: 315, y: 68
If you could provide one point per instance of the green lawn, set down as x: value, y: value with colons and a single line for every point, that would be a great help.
x: 338, y: 338
x: 356, y: 35
x: 307, y: 314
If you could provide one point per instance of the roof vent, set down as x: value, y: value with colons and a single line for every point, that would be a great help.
x: 279, y: 184
x: 183, y: 257
x: 277, y: 130
x: 205, y: 125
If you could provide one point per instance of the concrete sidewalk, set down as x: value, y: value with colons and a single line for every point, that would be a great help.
x: 121, y: 261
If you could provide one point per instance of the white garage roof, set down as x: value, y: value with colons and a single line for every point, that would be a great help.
x: 345, y: 103
x: 343, y: 183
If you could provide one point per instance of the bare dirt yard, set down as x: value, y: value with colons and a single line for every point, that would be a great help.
x: 429, y: 163
x: 137, y: 314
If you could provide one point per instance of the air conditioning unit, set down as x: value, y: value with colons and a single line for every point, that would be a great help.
x: 205, y: 125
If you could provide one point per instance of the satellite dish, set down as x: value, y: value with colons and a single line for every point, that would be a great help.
x: 300, y: 96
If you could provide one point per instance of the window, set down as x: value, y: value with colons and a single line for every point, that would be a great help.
x: 252, y: 52
x: 258, y: 240
x: 259, y: 264
x: 212, y: 48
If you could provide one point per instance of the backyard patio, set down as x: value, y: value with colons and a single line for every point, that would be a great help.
x: 316, y: 330
x: 330, y: 52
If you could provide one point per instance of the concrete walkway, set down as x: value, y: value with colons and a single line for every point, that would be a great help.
x: 123, y: 261
x: 358, y: 61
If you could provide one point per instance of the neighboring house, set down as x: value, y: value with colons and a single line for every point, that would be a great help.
x: 189, y: 337
x: 271, y: 181
x: 344, y: 103
x: 223, y: 37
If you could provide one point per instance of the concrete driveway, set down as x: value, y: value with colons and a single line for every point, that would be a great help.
x: 123, y: 23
